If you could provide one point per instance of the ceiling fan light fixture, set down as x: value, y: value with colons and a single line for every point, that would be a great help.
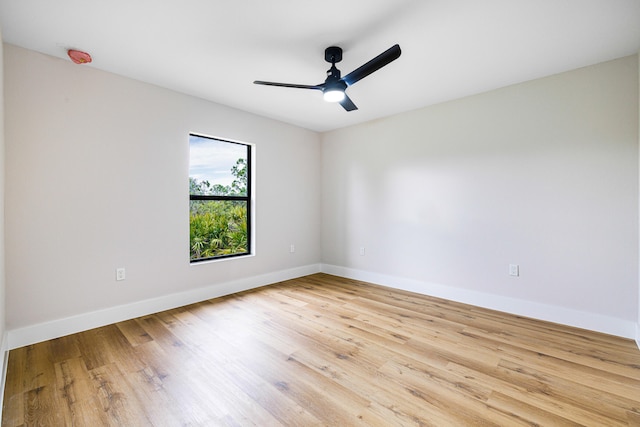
x: 333, y: 95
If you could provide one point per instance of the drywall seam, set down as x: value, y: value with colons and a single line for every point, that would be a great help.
x: 32, y: 334
x: 549, y: 313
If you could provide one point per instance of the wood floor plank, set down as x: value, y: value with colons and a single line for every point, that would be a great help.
x: 79, y: 398
x: 527, y: 413
x: 326, y: 351
x: 268, y: 397
x: 465, y: 402
x: 117, y: 398
x: 134, y: 333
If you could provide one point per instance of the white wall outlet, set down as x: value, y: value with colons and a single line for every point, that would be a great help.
x: 120, y: 275
x: 362, y: 251
x: 292, y: 248
x: 514, y: 270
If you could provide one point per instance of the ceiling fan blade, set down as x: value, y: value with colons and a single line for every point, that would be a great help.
x: 348, y: 104
x: 375, y: 64
x: 317, y: 87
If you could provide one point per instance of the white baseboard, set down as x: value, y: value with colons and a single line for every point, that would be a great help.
x: 4, y: 353
x: 562, y: 315
x: 57, y: 328
x: 638, y: 333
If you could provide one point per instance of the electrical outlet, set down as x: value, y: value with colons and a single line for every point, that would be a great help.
x: 361, y: 250
x: 514, y: 270
x: 292, y: 248
x: 120, y: 273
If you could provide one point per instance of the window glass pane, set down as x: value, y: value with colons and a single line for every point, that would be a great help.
x: 217, y: 228
x: 217, y: 167
x: 219, y: 198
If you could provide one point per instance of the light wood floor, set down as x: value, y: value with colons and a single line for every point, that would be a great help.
x: 322, y: 350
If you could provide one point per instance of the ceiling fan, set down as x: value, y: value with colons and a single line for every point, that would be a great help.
x: 334, y: 86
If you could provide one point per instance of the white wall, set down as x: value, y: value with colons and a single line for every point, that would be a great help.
x: 3, y: 345
x: 542, y: 174
x: 97, y: 169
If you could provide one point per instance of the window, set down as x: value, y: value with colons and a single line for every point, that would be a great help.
x: 219, y: 198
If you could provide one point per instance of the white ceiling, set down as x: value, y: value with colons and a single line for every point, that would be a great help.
x: 215, y: 49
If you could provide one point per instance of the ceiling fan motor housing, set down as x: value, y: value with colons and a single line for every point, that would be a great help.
x: 333, y: 54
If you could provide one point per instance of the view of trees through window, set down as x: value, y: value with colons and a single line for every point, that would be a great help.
x: 219, y: 198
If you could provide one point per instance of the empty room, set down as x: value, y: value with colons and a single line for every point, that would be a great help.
x: 375, y: 213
